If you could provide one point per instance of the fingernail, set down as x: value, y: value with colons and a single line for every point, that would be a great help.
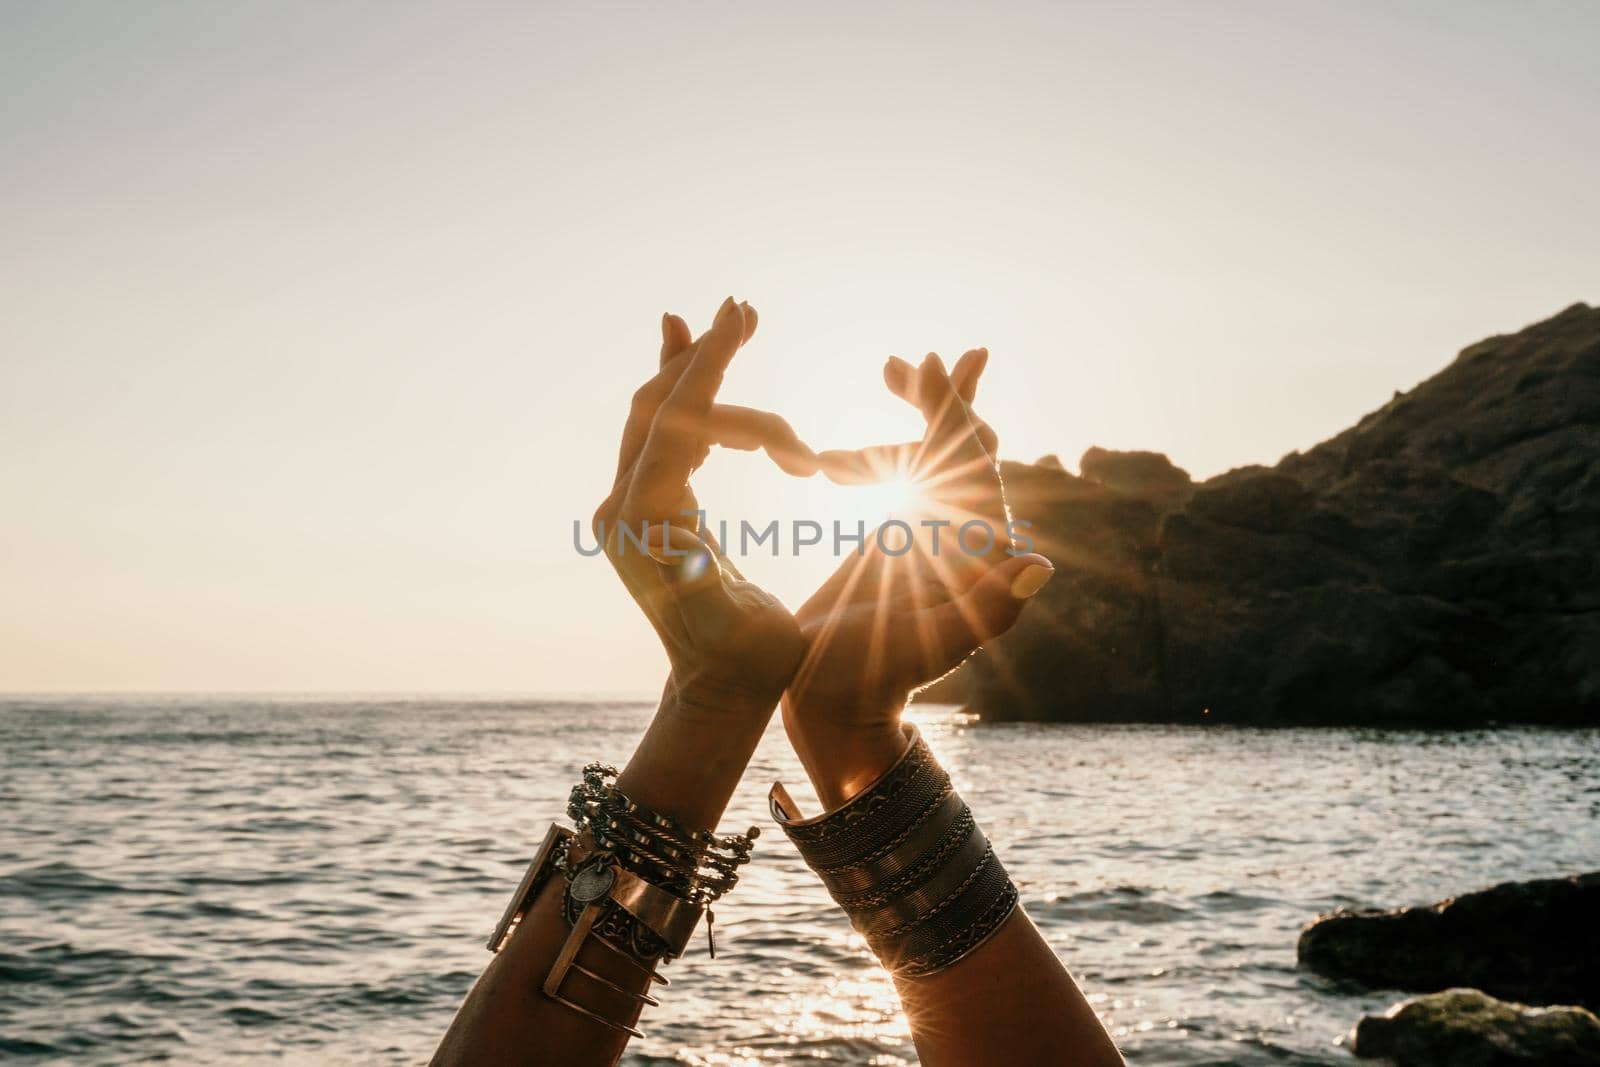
x: 1031, y: 580
x: 666, y: 325
x: 726, y: 309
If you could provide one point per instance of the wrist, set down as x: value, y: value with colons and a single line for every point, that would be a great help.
x: 713, y: 700
x: 907, y: 862
x: 844, y: 748
x: 692, y: 756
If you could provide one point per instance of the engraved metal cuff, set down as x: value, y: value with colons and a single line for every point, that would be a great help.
x: 908, y: 863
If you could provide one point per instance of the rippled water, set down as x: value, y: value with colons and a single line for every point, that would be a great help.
x: 217, y: 880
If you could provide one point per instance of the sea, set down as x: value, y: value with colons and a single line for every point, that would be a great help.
x: 311, y: 879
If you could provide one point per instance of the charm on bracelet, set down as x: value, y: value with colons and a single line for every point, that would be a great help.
x: 637, y: 883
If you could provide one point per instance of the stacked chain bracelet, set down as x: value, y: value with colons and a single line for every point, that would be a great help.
x: 637, y: 883
x: 908, y: 863
x: 697, y: 864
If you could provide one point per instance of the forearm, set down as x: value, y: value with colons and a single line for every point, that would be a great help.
x: 691, y: 758
x: 1009, y: 995
x: 1012, y: 994
x: 507, y: 1019
x: 842, y: 758
x: 686, y: 766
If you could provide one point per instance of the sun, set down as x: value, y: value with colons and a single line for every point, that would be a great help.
x: 895, y: 496
x: 871, y: 504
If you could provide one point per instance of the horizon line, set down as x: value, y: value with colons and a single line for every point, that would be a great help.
x: 525, y: 694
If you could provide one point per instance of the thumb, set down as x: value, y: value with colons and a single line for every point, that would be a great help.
x: 987, y: 610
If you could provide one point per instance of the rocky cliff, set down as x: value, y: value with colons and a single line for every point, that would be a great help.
x: 1435, y: 564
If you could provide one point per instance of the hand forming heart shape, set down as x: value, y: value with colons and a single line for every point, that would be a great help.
x: 884, y: 624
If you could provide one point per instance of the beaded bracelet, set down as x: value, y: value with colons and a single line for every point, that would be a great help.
x: 908, y: 863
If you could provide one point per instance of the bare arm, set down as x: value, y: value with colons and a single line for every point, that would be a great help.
x: 883, y: 626
x: 732, y: 647
x: 506, y: 1018
x: 1011, y: 997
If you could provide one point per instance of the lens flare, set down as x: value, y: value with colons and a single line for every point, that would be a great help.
x: 693, y: 568
x: 892, y: 497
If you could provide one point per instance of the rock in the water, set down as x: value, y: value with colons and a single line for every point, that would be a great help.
x: 1467, y: 1028
x: 1436, y: 564
x: 1537, y: 942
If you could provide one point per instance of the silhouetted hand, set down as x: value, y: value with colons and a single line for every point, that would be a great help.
x: 733, y: 647
x: 889, y: 621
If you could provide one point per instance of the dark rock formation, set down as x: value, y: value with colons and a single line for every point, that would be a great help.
x: 1536, y: 942
x: 1466, y: 1028
x: 1436, y: 564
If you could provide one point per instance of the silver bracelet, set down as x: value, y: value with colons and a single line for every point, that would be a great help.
x: 908, y: 863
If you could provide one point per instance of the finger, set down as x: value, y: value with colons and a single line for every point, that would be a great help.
x: 676, y: 439
x: 688, y: 519
x: 868, y: 466
x: 667, y: 542
x: 902, y: 379
x: 674, y: 331
x: 937, y: 397
x: 964, y: 376
x: 952, y: 441
x: 986, y: 436
x: 748, y: 429
x: 650, y: 395
x: 693, y: 518
x: 968, y: 369
x: 659, y: 586
x: 675, y: 337
x: 952, y: 630
x: 676, y: 344
x: 687, y: 562
x: 878, y: 463
x: 697, y: 389
x: 954, y: 469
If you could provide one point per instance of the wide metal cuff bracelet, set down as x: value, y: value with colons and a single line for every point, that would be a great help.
x: 908, y: 863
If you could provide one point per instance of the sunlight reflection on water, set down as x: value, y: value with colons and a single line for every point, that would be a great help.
x: 224, y: 880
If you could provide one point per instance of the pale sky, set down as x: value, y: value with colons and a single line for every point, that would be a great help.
x: 320, y: 320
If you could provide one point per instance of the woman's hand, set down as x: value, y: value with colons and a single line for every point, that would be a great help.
x: 889, y: 621
x: 732, y: 646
